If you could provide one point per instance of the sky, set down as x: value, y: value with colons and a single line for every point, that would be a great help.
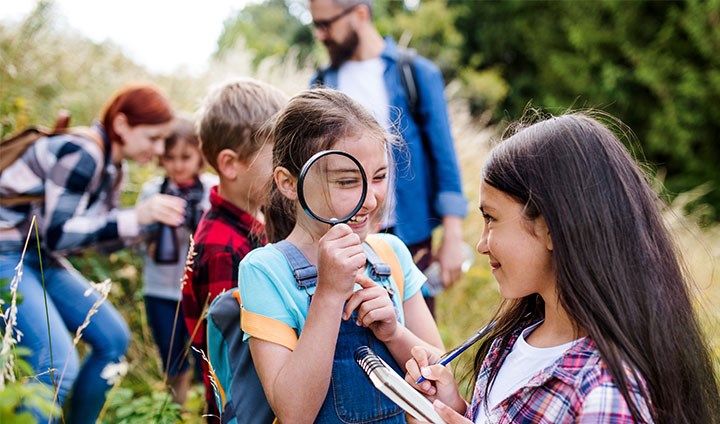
x: 166, y: 35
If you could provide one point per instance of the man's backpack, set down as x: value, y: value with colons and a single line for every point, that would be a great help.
x: 240, y: 396
x: 13, y: 147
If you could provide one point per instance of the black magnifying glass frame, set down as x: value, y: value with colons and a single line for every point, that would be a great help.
x: 301, y: 180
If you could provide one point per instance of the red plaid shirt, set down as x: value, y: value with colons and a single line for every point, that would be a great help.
x: 576, y: 388
x: 224, y: 236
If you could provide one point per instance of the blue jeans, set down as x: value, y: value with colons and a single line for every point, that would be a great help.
x: 67, y: 306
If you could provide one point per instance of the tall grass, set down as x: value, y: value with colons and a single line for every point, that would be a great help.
x: 17, y: 396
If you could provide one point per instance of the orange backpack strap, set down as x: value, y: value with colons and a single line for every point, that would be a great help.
x: 264, y: 328
x: 385, y: 252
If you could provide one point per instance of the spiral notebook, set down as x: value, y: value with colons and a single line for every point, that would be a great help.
x: 392, y: 385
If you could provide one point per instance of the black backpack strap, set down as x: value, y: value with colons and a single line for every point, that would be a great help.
x: 319, y: 77
x: 405, y: 59
x: 305, y: 273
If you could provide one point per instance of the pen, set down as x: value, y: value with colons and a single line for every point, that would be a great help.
x: 449, y: 356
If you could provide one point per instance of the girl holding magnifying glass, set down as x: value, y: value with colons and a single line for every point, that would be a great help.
x: 311, y: 323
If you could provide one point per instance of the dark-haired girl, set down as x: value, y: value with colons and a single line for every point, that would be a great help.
x: 597, y: 324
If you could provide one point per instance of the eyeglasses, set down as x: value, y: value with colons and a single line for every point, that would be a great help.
x: 325, y: 24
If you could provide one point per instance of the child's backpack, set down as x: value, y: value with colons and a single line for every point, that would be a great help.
x: 230, y: 358
x: 13, y: 147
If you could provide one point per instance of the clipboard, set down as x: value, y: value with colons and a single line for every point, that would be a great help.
x: 392, y: 385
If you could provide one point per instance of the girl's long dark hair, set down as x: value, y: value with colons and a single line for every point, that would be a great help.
x: 619, y: 275
x: 312, y: 121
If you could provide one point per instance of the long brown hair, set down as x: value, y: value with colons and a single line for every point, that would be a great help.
x: 619, y: 276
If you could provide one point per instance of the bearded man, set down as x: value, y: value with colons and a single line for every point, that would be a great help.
x: 426, y: 177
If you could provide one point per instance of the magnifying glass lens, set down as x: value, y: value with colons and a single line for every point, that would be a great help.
x: 333, y: 187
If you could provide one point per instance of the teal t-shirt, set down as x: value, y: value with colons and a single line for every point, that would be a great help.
x: 268, y: 287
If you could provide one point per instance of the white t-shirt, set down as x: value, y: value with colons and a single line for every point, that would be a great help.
x: 521, y: 364
x: 364, y: 82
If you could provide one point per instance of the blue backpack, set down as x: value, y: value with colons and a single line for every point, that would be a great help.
x: 239, y: 395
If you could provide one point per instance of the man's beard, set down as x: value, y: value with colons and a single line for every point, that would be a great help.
x: 340, y: 52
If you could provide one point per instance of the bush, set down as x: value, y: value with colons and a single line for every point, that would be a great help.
x: 654, y: 65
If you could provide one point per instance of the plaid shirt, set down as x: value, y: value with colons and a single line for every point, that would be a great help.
x: 80, y: 186
x: 224, y: 236
x: 576, y: 388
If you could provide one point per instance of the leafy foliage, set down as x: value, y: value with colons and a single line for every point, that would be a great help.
x: 652, y: 64
x: 127, y: 407
x: 247, y: 25
x: 18, y: 397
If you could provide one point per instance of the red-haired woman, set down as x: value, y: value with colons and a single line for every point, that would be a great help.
x: 78, y: 177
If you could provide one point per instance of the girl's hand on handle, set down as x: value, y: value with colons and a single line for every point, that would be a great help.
x: 162, y: 208
x: 375, y: 308
x: 439, y: 381
x: 340, y: 257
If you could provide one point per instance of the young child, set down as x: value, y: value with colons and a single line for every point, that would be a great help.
x: 597, y: 323
x: 307, y: 370
x: 234, y: 125
x: 162, y: 277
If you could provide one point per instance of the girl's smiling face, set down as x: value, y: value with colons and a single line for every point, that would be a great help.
x: 519, y: 250
x: 333, y: 195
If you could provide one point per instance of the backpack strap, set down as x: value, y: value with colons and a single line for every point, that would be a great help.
x: 265, y: 328
x: 15, y: 146
x: 405, y: 59
x: 385, y: 252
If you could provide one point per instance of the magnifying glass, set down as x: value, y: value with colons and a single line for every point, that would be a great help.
x: 332, y: 186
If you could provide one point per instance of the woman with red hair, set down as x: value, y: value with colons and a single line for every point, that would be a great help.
x: 76, y: 177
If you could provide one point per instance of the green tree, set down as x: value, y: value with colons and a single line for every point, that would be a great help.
x: 267, y: 29
x: 652, y: 64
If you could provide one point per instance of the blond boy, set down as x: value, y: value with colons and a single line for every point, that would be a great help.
x: 234, y: 126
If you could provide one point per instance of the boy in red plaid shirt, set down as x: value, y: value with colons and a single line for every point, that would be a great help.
x: 234, y: 127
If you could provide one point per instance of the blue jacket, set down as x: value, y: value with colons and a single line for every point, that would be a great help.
x: 428, y: 184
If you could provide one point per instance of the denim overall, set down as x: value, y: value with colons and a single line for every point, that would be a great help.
x: 351, y: 396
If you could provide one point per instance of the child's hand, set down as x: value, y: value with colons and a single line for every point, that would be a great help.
x: 449, y: 415
x: 439, y: 382
x: 163, y: 208
x: 375, y: 309
x: 340, y: 257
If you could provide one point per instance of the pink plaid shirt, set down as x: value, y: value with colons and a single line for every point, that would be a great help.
x: 576, y: 388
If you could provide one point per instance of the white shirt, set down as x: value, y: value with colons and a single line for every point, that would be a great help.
x: 364, y: 82
x: 521, y: 364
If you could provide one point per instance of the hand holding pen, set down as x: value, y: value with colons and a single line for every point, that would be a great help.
x: 449, y: 356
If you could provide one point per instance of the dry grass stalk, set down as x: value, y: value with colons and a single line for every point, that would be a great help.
x: 11, y: 336
x: 213, y: 377
x: 188, y: 267
x: 104, y: 289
